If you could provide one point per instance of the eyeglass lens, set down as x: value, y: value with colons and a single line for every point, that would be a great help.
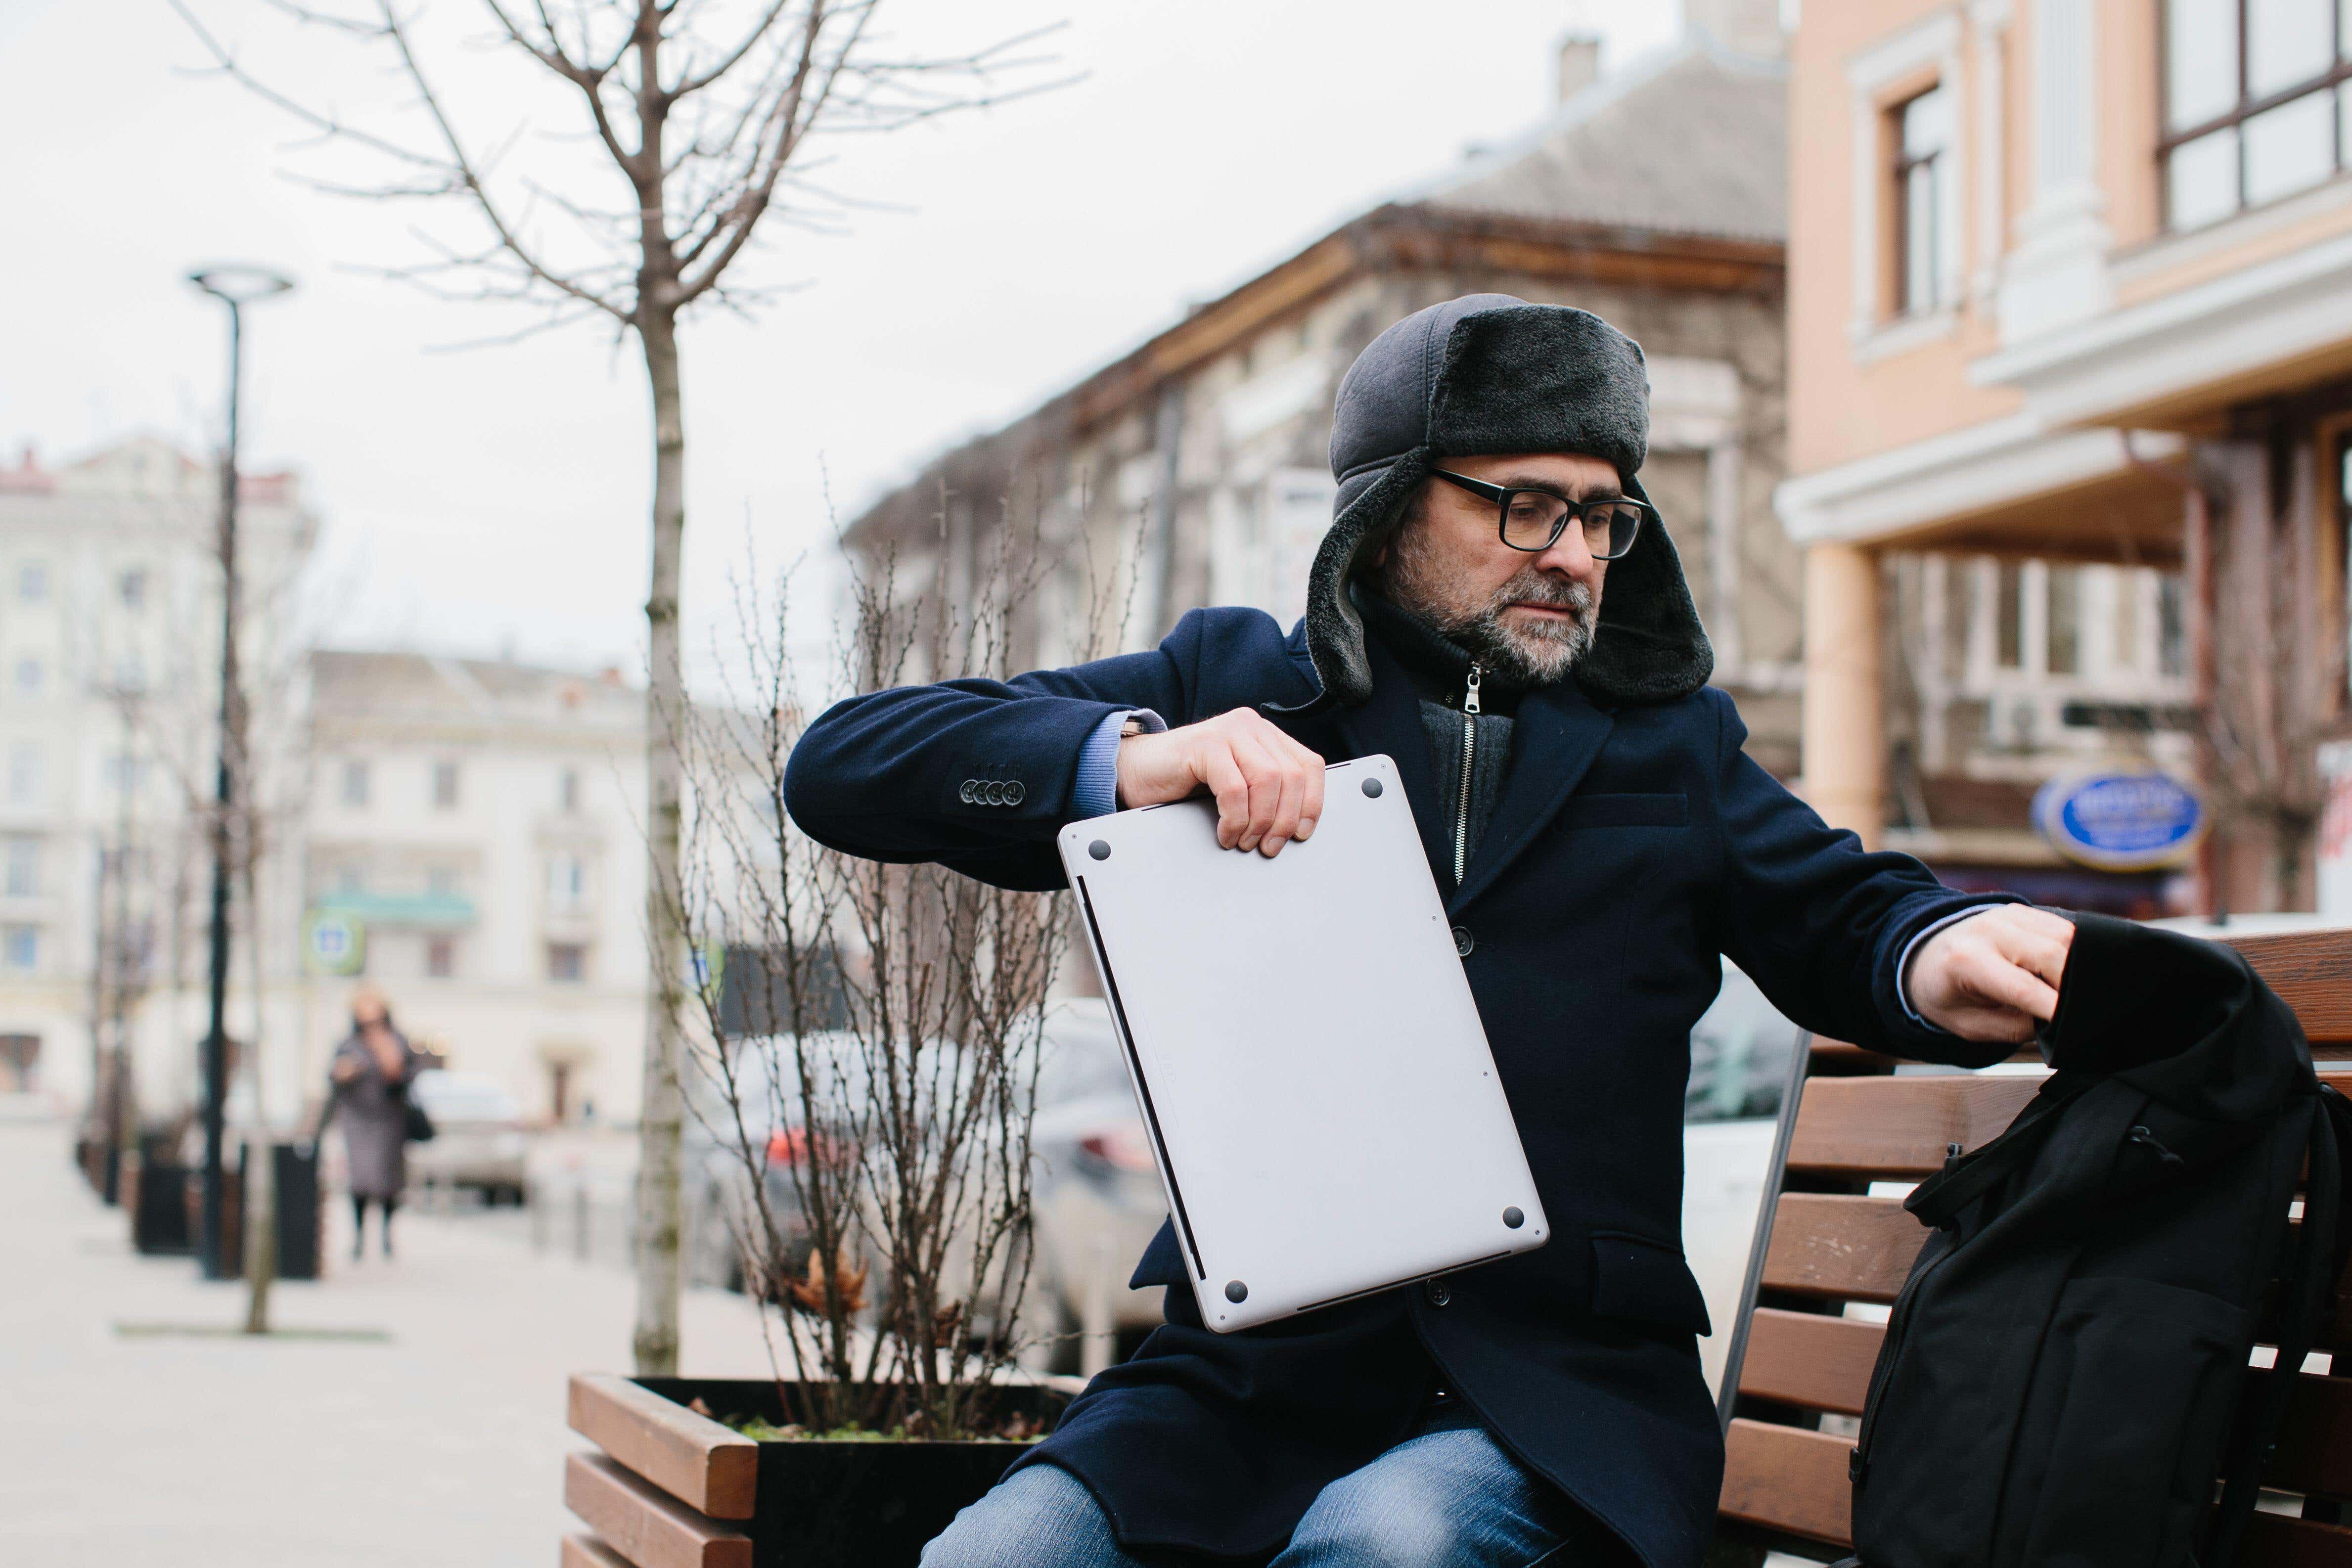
x: 1532, y: 519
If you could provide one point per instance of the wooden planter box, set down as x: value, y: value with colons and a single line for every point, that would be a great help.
x: 674, y: 1489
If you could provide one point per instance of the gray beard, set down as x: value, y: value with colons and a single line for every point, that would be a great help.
x: 1534, y: 656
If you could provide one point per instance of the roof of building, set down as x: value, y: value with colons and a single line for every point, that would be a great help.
x: 1689, y: 140
x: 1669, y: 173
x: 376, y: 685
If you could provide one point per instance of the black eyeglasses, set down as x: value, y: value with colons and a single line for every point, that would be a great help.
x: 1533, y: 520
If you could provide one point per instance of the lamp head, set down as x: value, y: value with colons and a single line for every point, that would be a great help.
x: 239, y: 284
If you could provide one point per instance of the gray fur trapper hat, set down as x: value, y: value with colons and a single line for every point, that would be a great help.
x: 1491, y: 374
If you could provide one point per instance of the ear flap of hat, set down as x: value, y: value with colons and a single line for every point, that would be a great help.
x: 1650, y: 645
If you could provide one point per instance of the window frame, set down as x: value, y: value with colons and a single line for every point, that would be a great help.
x: 1902, y: 242
x: 2167, y: 142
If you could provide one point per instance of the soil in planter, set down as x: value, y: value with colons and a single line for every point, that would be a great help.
x: 1016, y: 1427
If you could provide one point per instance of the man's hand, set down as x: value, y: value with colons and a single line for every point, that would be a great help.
x: 1994, y: 976
x: 1269, y: 789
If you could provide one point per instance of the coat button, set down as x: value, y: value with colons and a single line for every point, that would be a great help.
x: 1014, y: 791
x: 971, y: 789
x: 1464, y: 941
x: 1437, y: 1296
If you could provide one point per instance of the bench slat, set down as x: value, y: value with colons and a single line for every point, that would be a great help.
x: 694, y: 1459
x: 2274, y: 1540
x: 1809, y: 1359
x: 587, y: 1551
x: 2315, y: 1436
x: 1832, y: 1245
x: 1787, y: 1479
x: 643, y: 1524
x: 2307, y: 969
x: 1901, y: 1127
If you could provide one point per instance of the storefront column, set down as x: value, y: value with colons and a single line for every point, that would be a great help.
x: 1845, y: 759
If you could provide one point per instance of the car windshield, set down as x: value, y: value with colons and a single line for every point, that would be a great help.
x: 450, y: 1098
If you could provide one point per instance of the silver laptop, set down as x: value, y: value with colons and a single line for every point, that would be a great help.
x: 1305, y: 1052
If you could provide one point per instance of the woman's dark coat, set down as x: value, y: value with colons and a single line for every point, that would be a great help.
x: 1633, y: 842
x: 374, y: 1109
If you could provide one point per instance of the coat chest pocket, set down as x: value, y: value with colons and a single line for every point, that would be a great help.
x: 1625, y: 811
x: 1645, y: 1279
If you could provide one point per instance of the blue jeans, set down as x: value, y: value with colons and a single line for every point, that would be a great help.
x: 1448, y: 1495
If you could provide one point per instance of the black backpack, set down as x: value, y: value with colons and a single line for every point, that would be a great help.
x: 2061, y: 1381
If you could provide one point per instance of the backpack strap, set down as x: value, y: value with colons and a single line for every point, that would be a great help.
x: 2319, y: 1260
x: 1939, y: 1200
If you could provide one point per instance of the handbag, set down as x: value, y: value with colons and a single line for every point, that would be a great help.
x: 416, y: 1127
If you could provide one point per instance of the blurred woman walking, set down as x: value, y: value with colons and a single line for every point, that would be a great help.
x: 370, y: 1075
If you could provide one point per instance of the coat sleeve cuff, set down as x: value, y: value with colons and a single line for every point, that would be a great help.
x: 1902, y: 963
x: 1095, y: 792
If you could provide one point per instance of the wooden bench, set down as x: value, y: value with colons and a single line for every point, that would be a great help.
x: 1830, y: 1255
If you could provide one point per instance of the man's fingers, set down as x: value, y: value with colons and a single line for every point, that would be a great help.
x: 1310, y: 808
x: 2002, y: 980
x: 1222, y: 774
x: 1285, y: 826
x: 1264, y: 778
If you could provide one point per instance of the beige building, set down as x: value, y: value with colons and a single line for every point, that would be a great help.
x: 110, y: 671
x: 472, y: 846
x: 1193, y: 470
x: 2070, y: 385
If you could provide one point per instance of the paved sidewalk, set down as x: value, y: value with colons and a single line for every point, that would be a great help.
x: 443, y: 1446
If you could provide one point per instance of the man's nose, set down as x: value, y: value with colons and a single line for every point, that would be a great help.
x: 1569, y: 555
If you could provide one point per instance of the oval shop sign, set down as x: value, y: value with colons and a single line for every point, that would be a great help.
x: 2120, y: 821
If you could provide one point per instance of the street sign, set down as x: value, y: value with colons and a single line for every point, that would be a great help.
x: 2122, y: 820
x: 332, y: 943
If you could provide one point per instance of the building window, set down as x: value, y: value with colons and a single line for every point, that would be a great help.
x: 25, y: 774
x: 20, y: 869
x: 2065, y: 623
x: 567, y: 962
x: 20, y: 949
x: 2171, y: 626
x: 1922, y: 139
x: 129, y: 674
x: 2009, y: 615
x: 33, y: 582
x: 125, y: 773
x: 356, y: 783
x: 567, y: 882
x: 30, y: 676
x: 445, y: 785
x: 2257, y: 103
x: 131, y: 588
x: 568, y: 790
x: 440, y: 957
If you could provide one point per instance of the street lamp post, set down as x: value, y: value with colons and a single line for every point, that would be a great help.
x: 234, y: 286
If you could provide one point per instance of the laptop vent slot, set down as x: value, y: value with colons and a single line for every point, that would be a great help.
x: 1134, y: 1065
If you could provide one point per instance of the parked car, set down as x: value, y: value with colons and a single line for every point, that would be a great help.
x: 477, y: 1137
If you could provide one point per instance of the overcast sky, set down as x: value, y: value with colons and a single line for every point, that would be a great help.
x: 494, y: 500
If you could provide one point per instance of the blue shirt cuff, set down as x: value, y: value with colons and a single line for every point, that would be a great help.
x: 1903, y: 962
x: 1096, y: 792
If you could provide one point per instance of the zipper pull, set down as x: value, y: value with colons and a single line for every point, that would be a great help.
x: 1951, y: 1155
x: 1470, y: 693
x: 2142, y: 1135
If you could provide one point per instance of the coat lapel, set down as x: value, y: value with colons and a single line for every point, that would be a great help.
x: 1555, y: 736
x: 1390, y: 723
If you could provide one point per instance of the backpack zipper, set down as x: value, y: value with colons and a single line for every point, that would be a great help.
x: 1469, y: 754
x: 1857, y: 1463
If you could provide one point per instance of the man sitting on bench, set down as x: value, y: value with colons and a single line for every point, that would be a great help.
x: 1600, y: 838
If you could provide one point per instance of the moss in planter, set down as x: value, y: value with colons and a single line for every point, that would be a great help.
x: 760, y: 1430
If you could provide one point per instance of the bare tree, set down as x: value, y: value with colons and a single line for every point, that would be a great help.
x: 2269, y: 671
x: 873, y: 1033
x: 701, y: 115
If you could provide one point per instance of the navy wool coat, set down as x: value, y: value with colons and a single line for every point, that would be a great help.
x: 1631, y: 846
